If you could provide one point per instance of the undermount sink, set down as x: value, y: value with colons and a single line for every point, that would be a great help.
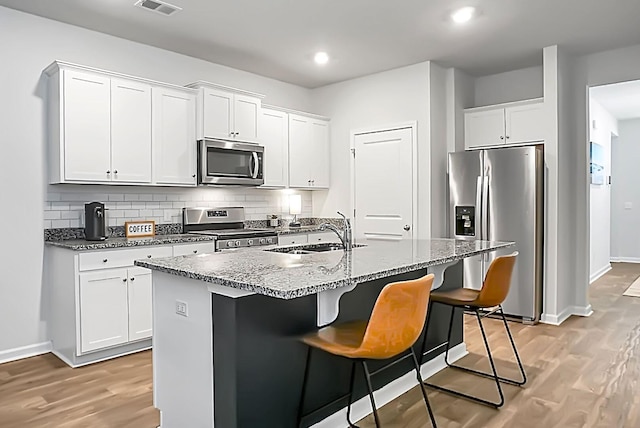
x: 313, y: 248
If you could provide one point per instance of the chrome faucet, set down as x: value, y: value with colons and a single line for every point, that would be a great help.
x: 344, y: 234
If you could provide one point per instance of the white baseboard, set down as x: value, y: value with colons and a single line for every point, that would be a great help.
x: 24, y: 352
x: 557, y: 319
x: 391, y: 391
x: 625, y: 260
x: 599, y: 273
x: 582, y: 311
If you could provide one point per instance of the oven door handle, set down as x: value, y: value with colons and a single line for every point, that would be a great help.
x: 256, y: 165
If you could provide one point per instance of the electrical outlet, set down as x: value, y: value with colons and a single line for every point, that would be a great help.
x: 182, y: 308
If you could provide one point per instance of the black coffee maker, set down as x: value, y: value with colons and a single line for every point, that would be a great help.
x: 95, y: 222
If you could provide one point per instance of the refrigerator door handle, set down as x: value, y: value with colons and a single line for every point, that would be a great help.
x: 479, y: 212
x: 485, y: 211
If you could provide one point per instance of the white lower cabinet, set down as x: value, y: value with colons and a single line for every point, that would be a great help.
x: 139, y: 300
x: 103, y: 309
x: 307, y: 238
x: 115, y: 307
x: 101, y: 304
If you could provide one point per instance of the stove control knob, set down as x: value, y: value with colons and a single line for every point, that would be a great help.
x: 237, y: 243
x: 230, y: 244
x: 250, y: 242
x: 262, y: 241
x: 270, y: 240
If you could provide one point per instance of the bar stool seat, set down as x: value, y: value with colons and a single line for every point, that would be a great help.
x: 493, y: 292
x: 396, y: 322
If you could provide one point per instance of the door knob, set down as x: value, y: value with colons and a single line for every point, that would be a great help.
x: 407, y: 227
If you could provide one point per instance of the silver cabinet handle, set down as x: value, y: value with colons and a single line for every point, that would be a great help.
x: 193, y: 176
x: 230, y: 134
x: 124, y: 279
x: 502, y: 137
x: 148, y: 256
x: 108, y: 171
x: 508, y: 137
x: 115, y: 172
x: 104, y: 260
x: 133, y: 279
x: 407, y: 227
x: 195, y: 251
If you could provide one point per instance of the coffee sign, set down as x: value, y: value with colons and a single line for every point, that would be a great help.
x: 138, y: 229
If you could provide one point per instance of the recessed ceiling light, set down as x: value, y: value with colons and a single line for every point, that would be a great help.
x: 464, y: 14
x: 321, y: 58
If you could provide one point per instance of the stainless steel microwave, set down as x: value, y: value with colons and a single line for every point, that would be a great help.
x: 223, y: 162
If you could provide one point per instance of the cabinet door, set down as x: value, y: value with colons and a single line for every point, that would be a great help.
x: 320, y: 156
x: 524, y: 123
x: 218, y: 114
x: 140, y: 303
x: 130, y: 131
x: 300, y: 151
x: 274, y: 136
x: 484, y: 128
x: 87, y: 135
x: 174, y: 141
x: 199, y: 248
x: 103, y: 309
x: 246, y: 118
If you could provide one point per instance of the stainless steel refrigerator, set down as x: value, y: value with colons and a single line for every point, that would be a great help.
x: 498, y: 195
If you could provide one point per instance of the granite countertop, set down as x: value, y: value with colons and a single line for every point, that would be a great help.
x: 287, y: 276
x: 83, y: 245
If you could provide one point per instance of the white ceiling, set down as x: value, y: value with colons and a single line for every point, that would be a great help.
x: 622, y: 100
x: 277, y: 38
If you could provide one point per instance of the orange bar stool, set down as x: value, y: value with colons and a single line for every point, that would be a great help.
x: 395, y: 324
x: 493, y: 292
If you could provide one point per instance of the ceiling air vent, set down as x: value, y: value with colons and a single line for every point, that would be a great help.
x: 158, y: 7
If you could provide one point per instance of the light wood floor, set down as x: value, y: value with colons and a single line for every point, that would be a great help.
x: 582, y: 374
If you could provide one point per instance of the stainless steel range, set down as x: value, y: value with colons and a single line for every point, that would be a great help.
x: 227, y: 225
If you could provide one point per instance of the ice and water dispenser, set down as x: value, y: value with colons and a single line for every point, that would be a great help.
x: 465, y: 221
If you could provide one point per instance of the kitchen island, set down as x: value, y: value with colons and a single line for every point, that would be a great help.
x: 226, y: 325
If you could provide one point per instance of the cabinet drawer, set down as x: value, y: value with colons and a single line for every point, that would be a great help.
x: 199, y: 248
x: 120, y: 257
x: 292, y: 239
x: 323, y: 237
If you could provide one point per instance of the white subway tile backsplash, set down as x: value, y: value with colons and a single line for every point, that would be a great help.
x: 60, y: 223
x: 66, y: 209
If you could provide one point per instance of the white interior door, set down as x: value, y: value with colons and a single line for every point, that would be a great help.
x: 383, y: 174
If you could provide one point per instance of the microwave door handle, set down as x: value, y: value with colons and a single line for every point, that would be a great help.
x: 256, y: 164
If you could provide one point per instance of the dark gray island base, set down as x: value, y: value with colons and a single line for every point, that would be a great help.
x: 235, y: 360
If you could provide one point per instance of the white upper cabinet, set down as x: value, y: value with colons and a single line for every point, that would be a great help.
x: 130, y: 131
x: 505, y: 124
x: 106, y: 127
x: 86, y: 127
x: 227, y: 113
x: 274, y: 136
x: 308, y: 152
x: 174, y: 142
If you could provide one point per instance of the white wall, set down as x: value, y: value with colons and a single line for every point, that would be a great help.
x: 510, y: 86
x: 600, y: 195
x: 625, y: 176
x: 438, y: 142
x: 378, y: 100
x: 613, y: 66
x: 29, y: 44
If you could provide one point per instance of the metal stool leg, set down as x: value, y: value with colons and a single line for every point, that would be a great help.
x: 426, y: 329
x: 515, y: 352
x: 424, y: 393
x: 493, y: 375
x: 304, y: 386
x: 446, y: 352
x: 367, y: 376
x: 351, y: 382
